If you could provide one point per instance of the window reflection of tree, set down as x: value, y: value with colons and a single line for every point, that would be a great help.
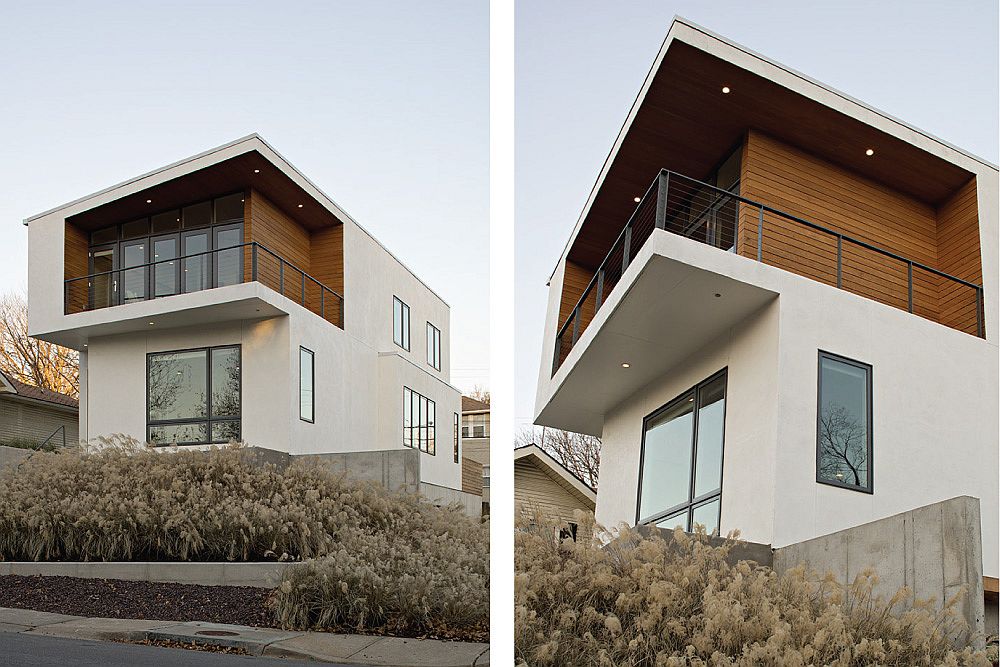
x: 165, y: 381
x: 843, y: 446
x: 226, y: 396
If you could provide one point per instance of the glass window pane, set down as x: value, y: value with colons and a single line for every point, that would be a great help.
x: 106, y: 235
x: 135, y: 229
x: 226, y: 382
x: 674, y: 520
x: 407, y: 419
x: 305, y: 384
x: 195, y: 269
x: 134, y: 288
x: 431, y: 426
x: 843, y: 423
x: 707, y: 515
x: 197, y: 215
x: 179, y: 434
x: 229, y: 208
x: 165, y: 274
x: 421, y: 416
x: 102, y: 286
x: 177, y: 385
x: 228, y: 264
x: 169, y: 221
x: 397, y: 321
x: 406, y: 326
x: 226, y: 431
x: 708, y: 461
x: 666, y: 465
x: 430, y: 345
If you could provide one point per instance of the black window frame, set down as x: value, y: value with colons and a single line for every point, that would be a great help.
x: 312, y: 391
x: 457, y: 438
x: 434, y: 347
x: 404, y: 323
x: 869, y: 487
x: 693, y: 503
x: 208, y: 419
x: 419, y: 422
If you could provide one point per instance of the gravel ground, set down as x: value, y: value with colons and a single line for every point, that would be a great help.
x: 114, y: 598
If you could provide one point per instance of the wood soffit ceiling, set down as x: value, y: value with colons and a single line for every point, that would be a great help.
x: 230, y: 175
x: 687, y: 125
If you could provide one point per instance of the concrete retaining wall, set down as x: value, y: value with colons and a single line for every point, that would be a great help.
x: 396, y: 470
x: 11, y: 457
x: 259, y: 575
x: 759, y: 553
x: 471, y: 504
x: 934, y: 550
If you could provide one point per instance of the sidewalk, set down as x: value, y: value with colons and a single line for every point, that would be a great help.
x: 321, y: 646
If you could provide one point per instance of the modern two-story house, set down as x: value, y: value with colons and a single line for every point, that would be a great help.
x: 225, y: 297
x: 778, y: 309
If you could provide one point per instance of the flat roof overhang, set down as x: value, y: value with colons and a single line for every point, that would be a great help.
x: 663, y: 310
x: 683, y: 122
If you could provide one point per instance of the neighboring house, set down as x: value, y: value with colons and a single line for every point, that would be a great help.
x: 778, y: 309
x: 476, y: 439
x: 226, y: 297
x: 30, y: 414
x: 543, y: 485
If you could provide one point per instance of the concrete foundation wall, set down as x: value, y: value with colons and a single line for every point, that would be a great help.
x: 934, y: 550
x: 396, y: 470
x: 472, y: 505
x: 11, y: 457
x: 259, y: 575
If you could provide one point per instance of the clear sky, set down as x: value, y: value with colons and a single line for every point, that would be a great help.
x: 383, y: 105
x: 580, y: 65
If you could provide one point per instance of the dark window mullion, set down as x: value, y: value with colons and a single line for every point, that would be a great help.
x: 696, y: 395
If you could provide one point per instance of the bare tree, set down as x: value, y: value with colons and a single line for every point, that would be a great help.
x: 843, y: 446
x: 30, y: 360
x: 480, y: 393
x: 578, y: 453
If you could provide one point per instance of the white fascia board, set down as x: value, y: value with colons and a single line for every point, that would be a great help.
x: 251, y: 142
x: 551, y: 464
x: 5, y: 386
x: 701, y: 38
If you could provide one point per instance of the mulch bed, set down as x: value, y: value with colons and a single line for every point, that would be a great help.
x: 114, y: 598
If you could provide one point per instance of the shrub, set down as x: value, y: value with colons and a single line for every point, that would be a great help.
x: 635, y: 601
x: 25, y: 443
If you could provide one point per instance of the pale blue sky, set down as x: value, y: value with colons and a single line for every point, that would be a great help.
x: 581, y: 63
x: 383, y: 105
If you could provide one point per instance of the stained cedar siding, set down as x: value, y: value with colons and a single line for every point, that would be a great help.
x: 327, y: 257
x: 959, y: 255
x: 282, y: 235
x: 535, y: 491
x: 803, y: 185
x: 575, y: 280
x: 76, y: 265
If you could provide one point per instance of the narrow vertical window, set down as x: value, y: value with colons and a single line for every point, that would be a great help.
x: 400, y: 323
x: 307, y: 396
x: 844, y: 423
x: 431, y: 427
x: 407, y: 417
x: 456, y: 438
x: 433, y: 346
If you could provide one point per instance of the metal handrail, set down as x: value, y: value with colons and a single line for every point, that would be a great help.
x: 660, y: 189
x: 52, y: 435
x: 254, y: 246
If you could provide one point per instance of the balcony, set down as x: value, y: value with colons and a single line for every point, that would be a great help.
x: 225, y: 267
x: 730, y: 223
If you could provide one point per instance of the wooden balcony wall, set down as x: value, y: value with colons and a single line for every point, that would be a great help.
x: 959, y: 255
x: 75, y: 265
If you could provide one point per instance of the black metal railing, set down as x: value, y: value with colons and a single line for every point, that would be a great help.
x: 725, y: 220
x: 199, y: 271
x: 60, y: 430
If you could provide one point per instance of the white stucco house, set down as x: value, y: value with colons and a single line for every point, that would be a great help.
x: 225, y: 297
x: 778, y: 309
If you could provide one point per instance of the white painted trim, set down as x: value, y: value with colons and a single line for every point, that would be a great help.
x: 543, y: 458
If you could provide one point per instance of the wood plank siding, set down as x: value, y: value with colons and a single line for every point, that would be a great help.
x: 536, y: 492
x: 575, y: 280
x: 472, y: 477
x: 959, y: 255
x: 75, y: 265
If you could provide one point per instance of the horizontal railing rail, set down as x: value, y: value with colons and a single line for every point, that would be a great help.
x: 722, y: 218
x: 200, y: 271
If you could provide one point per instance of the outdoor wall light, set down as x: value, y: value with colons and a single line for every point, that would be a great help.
x: 300, y: 205
x: 149, y: 201
x: 256, y: 171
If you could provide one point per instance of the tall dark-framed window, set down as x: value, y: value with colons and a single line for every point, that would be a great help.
x: 844, y: 423
x: 433, y: 347
x: 680, y: 469
x: 400, y: 323
x: 456, y: 437
x: 193, y: 397
x: 419, y: 424
x: 307, y: 381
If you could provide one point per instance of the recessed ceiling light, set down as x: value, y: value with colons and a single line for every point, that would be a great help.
x: 149, y: 201
x: 717, y: 295
x: 152, y: 323
x: 637, y: 199
x: 725, y: 89
x: 300, y: 205
x: 85, y: 345
x: 869, y: 152
x: 626, y: 365
x: 256, y: 171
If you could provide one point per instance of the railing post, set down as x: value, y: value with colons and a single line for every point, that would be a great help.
x: 979, y: 312
x: 760, y: 235
x: 840, y: 256
x: 626, y: 245
x: 281, y: 276
x: 600, y: 290
x: 909, y: 285
x: 303, y: 301
x: 322, y: 303
x: 576, y: 324
x: 253, y: 262
x: 340, y: 299
x: 662, y: 190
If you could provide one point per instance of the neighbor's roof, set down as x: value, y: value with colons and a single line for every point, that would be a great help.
x: 9, y: 385
x: 557, y: 472
x: 473, y: 405
x: 251, y: 142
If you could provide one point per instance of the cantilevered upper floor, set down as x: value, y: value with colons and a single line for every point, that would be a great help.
x: 728, y: 149
x: 234, y: 233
